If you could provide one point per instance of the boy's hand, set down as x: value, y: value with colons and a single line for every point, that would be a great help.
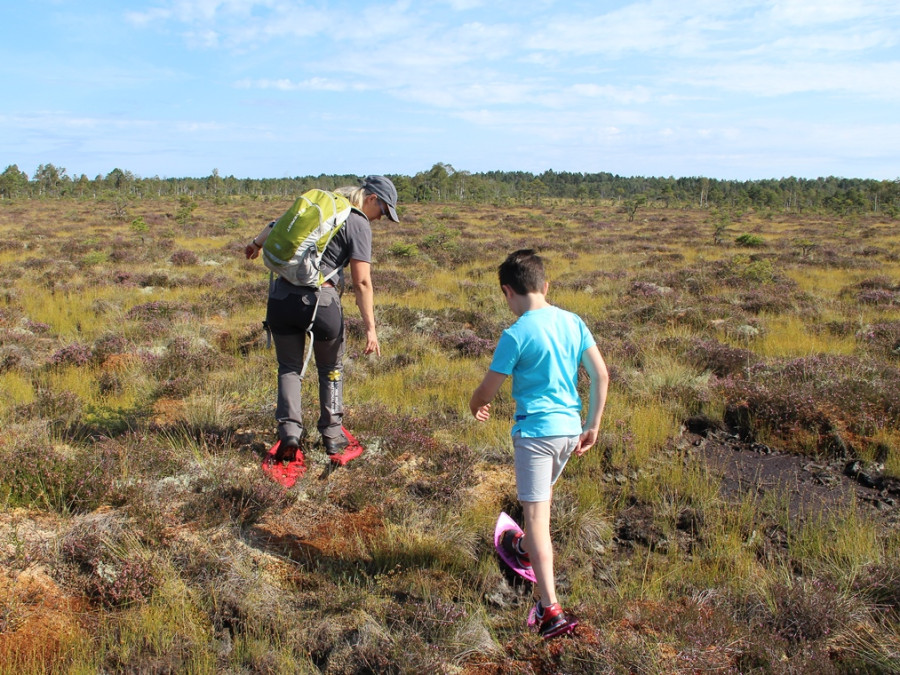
x: 483, y: 414
x: 480, y: 403
x: 587, y: 440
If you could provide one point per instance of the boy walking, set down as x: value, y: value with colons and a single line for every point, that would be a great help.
x: 542, y: 351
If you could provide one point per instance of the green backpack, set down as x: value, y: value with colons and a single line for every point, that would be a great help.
x: 293, y: 249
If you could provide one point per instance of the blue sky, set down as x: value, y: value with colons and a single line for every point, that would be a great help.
x: 274, y: 88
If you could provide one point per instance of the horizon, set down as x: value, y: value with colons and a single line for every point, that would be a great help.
x: 453, y: 170
x: 746, y: 91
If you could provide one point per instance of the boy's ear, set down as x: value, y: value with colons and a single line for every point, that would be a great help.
x: 507, y: 290
x: 546, y: 287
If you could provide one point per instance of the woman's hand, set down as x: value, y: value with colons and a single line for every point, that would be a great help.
x: 252, y: 250
x: 372, y: 345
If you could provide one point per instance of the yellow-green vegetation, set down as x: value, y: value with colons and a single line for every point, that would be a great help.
x: 737, y: 514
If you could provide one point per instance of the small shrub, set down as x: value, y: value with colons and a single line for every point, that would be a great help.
x: 158, y: 279
x: 759, y: 271
x: 748, y: 240
x: 107, y: 345
x: 647, y: 289
x: 139, y: 226
x: 448, y: 472
x: 157, y: 309
x: 818, y: 396
x: 880, y: 584
x: 183, y: 358
x: 72, y: 355
x: 229, y: 493
x: 78, y: 481
x: 467, y: 343
x: 774, y: 299
x: 806, y: 610
x: 878, y: 297
x: 400, y: 433
x: 183, y: 258
x: 37, y: 327
x: 60, y: 408
x: 720, y: 359
x: 112, y: 575
x: 404, y: 250
x: 123, y: 582
x: 93, y: 258
x: 882, y: 338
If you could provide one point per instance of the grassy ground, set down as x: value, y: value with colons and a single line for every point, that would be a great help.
x: 139, y: 535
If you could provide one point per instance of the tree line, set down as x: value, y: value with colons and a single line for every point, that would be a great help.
x: 444, y: 184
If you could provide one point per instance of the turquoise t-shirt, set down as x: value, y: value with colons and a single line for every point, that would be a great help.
x: 542, y: 351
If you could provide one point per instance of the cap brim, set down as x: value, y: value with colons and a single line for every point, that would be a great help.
x: 392, y: 213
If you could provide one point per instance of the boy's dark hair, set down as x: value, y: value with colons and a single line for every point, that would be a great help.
x: 523, y: 271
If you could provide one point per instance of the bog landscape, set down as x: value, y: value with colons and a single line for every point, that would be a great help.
x: 740, y: 513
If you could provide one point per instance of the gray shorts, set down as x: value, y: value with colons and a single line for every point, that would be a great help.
x: 539, y: 463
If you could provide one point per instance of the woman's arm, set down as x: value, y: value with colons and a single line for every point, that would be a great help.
x: 365, y: 301
x: 252, y: 249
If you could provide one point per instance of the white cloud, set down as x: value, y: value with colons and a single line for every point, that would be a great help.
x: 830, y: 43
x: 772, y: 80
x: 619, y: 95
x: 312, y: 84
x: 817, y: 12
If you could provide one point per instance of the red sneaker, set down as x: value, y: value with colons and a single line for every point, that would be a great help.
x: 510, y: 541
x: 551, y: 621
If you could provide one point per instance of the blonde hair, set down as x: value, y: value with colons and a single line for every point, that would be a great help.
x: 355, y: 195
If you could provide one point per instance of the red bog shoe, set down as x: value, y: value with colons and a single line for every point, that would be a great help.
x: 343, y: 448
x: 284, y: 463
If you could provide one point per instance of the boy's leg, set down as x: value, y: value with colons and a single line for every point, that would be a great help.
x: 539, y: 463
x: 540, y: 548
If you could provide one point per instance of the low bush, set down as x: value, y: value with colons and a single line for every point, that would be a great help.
x: 748, y: 240
x: 882, y: 339
x: 720, y: 359
x: 467, y: 343
x: 76, y: 480
x: 402, y: 250
x: 72, y: 355
x: 821, y: 395
x: 183, y: 258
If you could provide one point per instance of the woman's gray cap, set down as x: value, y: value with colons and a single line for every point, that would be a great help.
x: 385, y: 190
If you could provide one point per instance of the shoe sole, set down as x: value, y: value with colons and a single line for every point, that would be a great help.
x: 504, y: 523
x: 566, y: 628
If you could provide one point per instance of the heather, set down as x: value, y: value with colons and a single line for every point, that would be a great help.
x: 739, y: 513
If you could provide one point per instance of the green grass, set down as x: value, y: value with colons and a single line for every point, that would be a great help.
x: 388, y: 563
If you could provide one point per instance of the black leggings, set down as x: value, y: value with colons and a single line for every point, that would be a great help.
x: 288, y: 315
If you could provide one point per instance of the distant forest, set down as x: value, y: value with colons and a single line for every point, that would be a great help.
x: 444, y: 184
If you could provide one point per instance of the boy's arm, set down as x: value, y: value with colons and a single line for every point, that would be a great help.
x: 480, y: 403
x: 596, y: 368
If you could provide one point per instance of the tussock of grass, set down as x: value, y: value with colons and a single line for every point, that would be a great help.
x: 138, y: 398
x: 788, y: 336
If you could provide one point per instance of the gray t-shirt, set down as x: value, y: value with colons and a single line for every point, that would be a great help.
x: 352, y: 241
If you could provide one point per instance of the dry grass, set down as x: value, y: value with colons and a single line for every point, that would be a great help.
x: 138, y: 396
